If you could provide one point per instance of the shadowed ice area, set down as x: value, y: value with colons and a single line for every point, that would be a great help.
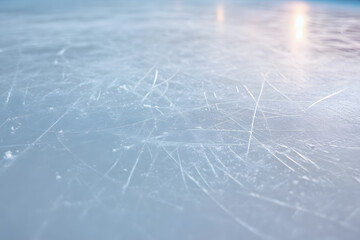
x: 179, y: 120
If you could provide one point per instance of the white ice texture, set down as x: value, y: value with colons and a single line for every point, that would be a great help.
x: 179, y: 120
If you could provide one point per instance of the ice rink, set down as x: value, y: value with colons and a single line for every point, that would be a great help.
x: 179, y: 120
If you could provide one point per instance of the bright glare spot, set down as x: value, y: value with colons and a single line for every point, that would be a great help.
x: 299, y: 26
x: 220, y: 13
x: 300, y: 21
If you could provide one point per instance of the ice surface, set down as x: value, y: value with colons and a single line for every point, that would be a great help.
x: 179, y: 120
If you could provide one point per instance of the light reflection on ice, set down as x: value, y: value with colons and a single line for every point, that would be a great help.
x: 300, y: 20
x: 220, y: 13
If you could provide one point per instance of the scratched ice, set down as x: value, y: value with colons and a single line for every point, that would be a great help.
x: 179, y: 120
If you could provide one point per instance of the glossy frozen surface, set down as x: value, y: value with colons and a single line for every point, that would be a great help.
x: 179, y: 120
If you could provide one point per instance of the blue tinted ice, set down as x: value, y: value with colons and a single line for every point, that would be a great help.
x: 179, y: 120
